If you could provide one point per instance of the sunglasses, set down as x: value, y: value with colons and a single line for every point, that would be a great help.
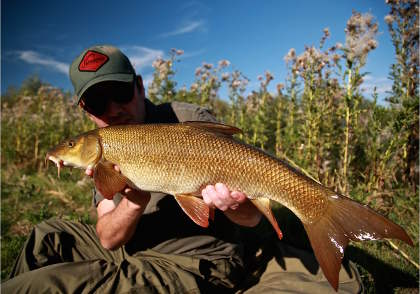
x: 96, y: 98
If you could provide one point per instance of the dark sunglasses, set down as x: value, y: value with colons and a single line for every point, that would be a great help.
x: 96, y: 98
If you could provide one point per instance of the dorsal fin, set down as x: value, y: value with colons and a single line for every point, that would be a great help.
x: 214, y: 127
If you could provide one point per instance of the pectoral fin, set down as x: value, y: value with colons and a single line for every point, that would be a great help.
x: 195, y: 208
x: 263, y: 205
x: 107, y: 180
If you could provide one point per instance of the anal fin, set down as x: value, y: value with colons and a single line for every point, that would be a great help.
x: 195, y: 208
x: 107, y: 180
x: 263, y: 205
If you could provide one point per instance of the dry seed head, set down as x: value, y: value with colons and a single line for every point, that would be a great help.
x: 291, y: 55
x: 268, y: 76
x: 225, y: 76
x: 236, y: 83
x: 224, y: 63
x: 360, y: 36
x: 177, y: 51
x: 204, y: 76
x: 198, y: 71
x: 372, y: 44
x: 208, y: 66
x: 336, y: 58
x: 157, y: 63
x: 194, y: 87
x: 389, y: 19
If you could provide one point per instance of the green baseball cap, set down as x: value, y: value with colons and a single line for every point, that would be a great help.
x: 99, y: 64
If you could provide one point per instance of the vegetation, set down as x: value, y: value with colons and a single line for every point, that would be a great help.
x: 319, y: 119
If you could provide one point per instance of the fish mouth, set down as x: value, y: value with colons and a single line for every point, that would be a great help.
x: 58, y: 162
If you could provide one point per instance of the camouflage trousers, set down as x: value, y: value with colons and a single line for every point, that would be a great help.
x: 67, y: 257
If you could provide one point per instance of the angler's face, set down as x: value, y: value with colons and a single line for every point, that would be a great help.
x: 83, y: 151
x: 114, y: 103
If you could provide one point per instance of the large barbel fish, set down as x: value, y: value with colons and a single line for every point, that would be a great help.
x: 181, y: 159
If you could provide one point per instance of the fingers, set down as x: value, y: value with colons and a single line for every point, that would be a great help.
x: 219, y: 196
x: 89, y: 172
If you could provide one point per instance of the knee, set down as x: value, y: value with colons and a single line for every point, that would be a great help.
x: 49, y: 232
x: 49, y: 226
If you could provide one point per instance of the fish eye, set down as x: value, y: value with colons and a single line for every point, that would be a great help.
x: 71, y: 144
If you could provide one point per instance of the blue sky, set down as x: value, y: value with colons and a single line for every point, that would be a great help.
x: 43, y: 37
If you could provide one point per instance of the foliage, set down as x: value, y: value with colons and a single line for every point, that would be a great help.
x: 35, y: 118
x: 404, y: 98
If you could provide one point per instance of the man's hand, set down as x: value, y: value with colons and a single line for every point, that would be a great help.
x: 89, y: 172
x: 234, y: 204
x: 219, y: 196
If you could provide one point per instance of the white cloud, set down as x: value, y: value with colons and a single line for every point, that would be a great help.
x: 33, y: 57
x: 188, y: 27
x: 382, y: 84
x: 142, y: 57
x: 193, y: 53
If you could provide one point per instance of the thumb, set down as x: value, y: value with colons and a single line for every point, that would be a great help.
x: 89, y: 172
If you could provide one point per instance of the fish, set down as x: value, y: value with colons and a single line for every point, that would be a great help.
x: 181, y: 159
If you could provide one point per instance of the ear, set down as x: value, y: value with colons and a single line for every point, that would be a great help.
x: 93, y: 118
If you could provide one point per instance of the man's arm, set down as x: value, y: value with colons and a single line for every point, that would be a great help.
x: 117, y: 224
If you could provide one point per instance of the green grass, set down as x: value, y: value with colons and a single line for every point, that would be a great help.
x: 29, y: 198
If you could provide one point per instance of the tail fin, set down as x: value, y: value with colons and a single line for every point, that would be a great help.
x: 346, y: 220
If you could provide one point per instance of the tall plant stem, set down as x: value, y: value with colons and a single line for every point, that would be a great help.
x: 347, y: 132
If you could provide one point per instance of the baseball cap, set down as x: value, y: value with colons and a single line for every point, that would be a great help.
x: 99, y: 64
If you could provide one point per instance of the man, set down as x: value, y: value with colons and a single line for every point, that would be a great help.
x: 144, y: 242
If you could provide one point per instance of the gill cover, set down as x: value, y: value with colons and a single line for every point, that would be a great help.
x: 82, y: 151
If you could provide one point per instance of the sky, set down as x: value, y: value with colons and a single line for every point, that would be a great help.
x: 43, y: 37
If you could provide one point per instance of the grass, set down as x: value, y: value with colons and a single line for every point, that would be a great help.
x: 29, y: 198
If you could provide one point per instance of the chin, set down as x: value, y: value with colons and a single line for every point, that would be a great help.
x: 124, y: 122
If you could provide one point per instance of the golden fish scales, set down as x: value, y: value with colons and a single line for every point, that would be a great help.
x: 189, y: 159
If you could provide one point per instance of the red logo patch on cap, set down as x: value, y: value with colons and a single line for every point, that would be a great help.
x: 92, y: 61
